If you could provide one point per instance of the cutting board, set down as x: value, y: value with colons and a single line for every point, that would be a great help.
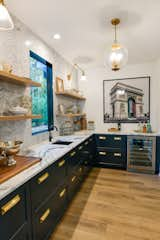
x: 22, y: 164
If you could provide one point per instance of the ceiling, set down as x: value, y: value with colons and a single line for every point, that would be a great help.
x: 86, y: 30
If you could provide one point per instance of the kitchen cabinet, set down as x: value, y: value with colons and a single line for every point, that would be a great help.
x: 39, y: 205
x: 111, y: 151
x: 14, y: 215
x: 46, y: 183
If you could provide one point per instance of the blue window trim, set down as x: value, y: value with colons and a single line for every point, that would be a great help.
x: 49, y: 91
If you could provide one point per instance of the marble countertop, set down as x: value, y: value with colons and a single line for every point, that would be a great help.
x: 49, y: 153
x: 129, y: 133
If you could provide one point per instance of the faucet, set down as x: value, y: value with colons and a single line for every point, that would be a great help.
x: 50, y: 132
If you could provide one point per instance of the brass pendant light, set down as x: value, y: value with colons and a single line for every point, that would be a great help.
x: 117, y: 56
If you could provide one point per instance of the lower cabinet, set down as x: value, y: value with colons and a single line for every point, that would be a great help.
x: 113, y: 158
x: 14, y: 216
x: 47, y: 217
x: 33, y: 210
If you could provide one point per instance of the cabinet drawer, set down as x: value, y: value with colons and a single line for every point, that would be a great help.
x: 47, y: 182
x: 73, y: 159
x: 13, y: 213
x: 111, y: 141
x: 48, y: 215
x: 112, y: 157
x: 73, y: 184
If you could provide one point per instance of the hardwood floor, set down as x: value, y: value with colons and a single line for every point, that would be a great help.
x: 113, y: 205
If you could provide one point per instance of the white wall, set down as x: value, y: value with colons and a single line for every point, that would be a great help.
x: 93, y: 90
x: 14, y: 51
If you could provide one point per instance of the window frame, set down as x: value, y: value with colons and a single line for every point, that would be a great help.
x: 49, y: 92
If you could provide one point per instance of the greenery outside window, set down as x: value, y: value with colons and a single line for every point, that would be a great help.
x: 42, y: 98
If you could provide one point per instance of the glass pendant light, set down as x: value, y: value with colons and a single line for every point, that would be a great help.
x: 117, y: 56
x: 6, y: 22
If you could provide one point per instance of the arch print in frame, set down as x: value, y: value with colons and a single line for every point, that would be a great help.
x: 126, y: 100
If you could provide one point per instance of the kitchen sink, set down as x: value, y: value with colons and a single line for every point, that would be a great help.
x: 59, y: 142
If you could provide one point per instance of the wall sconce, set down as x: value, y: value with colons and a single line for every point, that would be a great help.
x: 83, y: 76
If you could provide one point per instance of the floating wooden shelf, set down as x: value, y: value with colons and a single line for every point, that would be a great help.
x: 71, y: 95
x: 71, y: 115
x: 11, y: 78
x: 19, y: 117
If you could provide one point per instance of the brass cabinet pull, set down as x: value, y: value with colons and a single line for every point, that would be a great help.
x: 117, y: 154
x: 12, y: 203
x: 80, y: 169
x: 102, y: 153
x: 73, y: 178
x: 86, y: 143
x: 62, y: 193
x: 60, y: 164
x: 72, y: 154
x: 117, y: 138
x: 44, y: 217
x: 80, y: 148
x: 102, y: 138
x: 43, y: 178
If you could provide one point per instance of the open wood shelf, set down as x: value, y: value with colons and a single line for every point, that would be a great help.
x: 19, y: 117
x: 11, y: 78
x: 71, y: 95
x: 71, y: 115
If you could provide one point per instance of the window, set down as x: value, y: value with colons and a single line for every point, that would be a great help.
x: 42, y: 97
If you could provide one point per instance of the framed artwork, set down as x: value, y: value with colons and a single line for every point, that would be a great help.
x: 126, y: 100
x: 59, y: 85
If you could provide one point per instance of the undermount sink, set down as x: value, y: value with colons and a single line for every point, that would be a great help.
x: 58, y: 142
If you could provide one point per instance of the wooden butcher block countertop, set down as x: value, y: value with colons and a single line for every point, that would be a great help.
x: 22, y: 164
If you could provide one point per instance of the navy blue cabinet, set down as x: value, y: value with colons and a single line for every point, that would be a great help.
x: 14, y: 216
x: 111, y: 151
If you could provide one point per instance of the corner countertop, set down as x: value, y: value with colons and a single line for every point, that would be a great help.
x: 49, y: 154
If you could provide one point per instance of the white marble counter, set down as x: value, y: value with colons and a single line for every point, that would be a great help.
x: 49, y: 154
x: 129, y: 133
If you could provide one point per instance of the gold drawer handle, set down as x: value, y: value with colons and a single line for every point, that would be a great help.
x: 117, y: 154
x: 86, y: 143
x: 72, y: 154
x: 60, y: 164
x: 12, y: 203
x: 102, y: 138
x: 43, y: 178
x: 73, y: 178
x: 80, y: 169
x: 45, y: 216
x: 102, y: 153
x: 80, y: 148
x: 62, y: 193
x: 117, y: 138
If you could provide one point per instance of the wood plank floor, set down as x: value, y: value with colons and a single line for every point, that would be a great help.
x: 113, y: 205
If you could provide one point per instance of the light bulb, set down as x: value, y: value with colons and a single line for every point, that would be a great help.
x: 116, y: 57
x: 83, y: 77
x: 6, y: 22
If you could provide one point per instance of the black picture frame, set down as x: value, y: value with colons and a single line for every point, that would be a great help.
x: 108, y: 119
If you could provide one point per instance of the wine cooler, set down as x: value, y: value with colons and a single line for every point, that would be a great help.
x: 141, y: 154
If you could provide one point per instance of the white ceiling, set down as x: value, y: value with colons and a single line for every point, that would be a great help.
x: 85, y: 26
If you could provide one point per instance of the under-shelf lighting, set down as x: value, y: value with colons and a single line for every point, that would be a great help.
x: 6, y: 22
